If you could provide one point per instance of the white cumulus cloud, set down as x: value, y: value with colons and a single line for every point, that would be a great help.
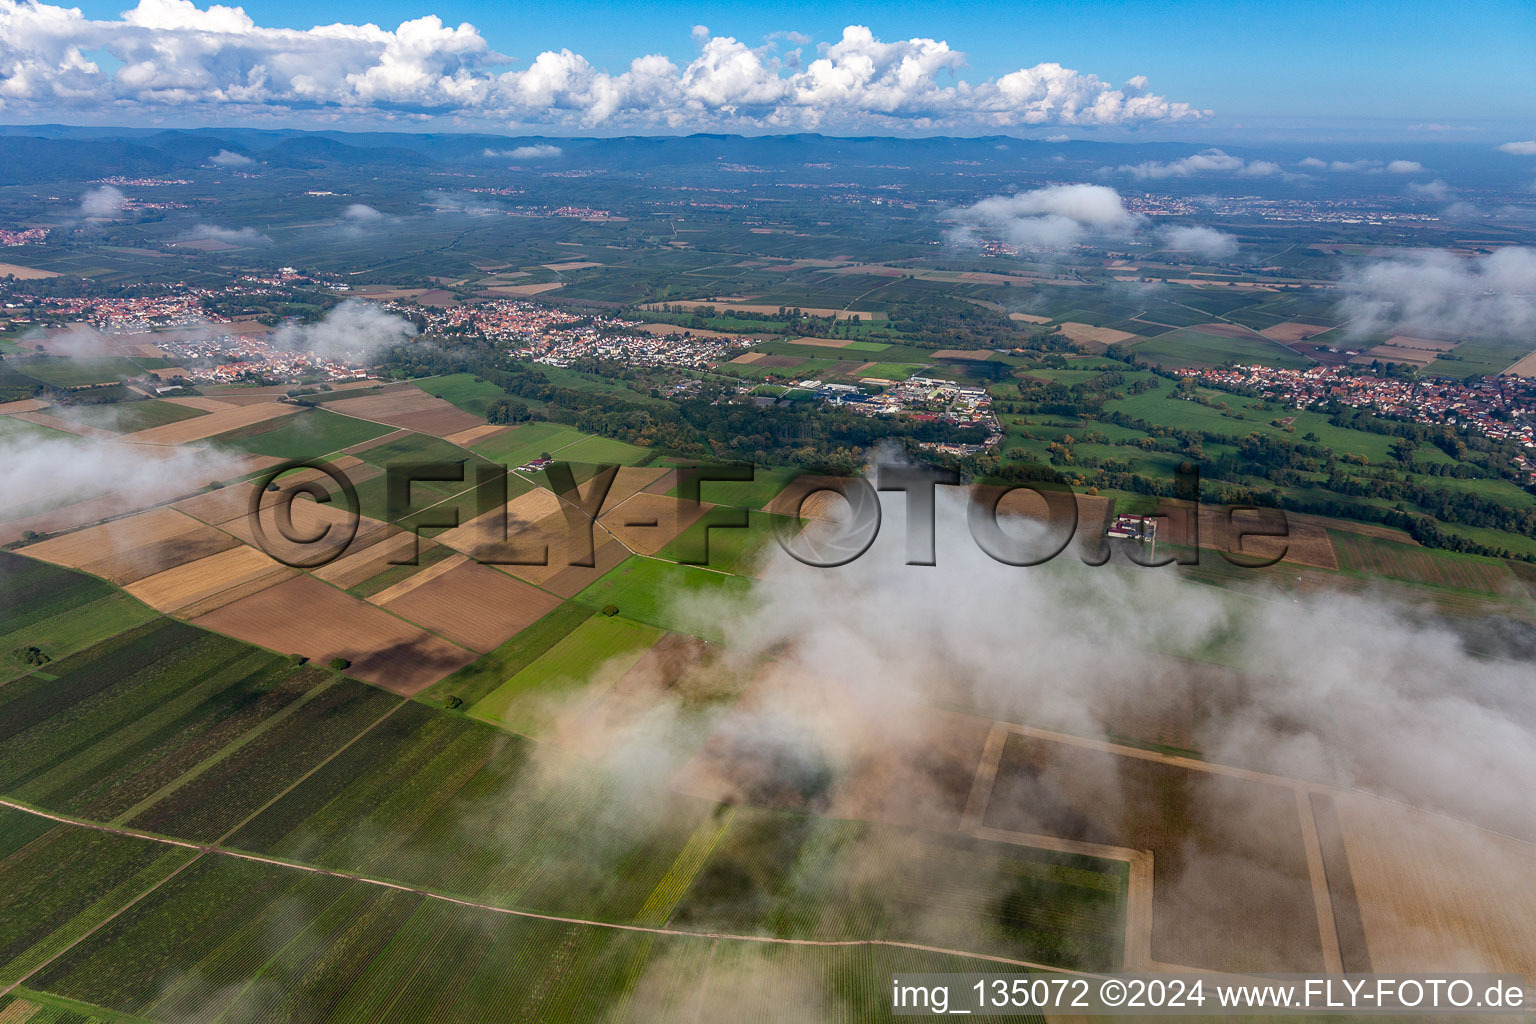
x: 541, y: 151
x: 1527, y: 148
x: 224, y: 158
x: 214, y: 60
x: 105, y: 201
x: 1211, y: 161
x: 1404, y: 167
x: 1201, y: 241
x: 1053, y: 217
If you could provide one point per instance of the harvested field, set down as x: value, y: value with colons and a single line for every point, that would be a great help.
x: 1436, y: 894
x: 140, y: 545
x: 196, y: 583
x: 412, y: 409
x: 1394, y: 354
x: 1093, y: 511
x: 1525, y: 367
x: 1223, y: 330
x: 318, y: 528
x: 308, y: 617
x: 1292, y: 331
x: 1378, y: 557
x: 825, y: 504
x: 670, y: 329
x: 825, y: 342
x: 1029, y: 318
x: 776, y: 362
x: 95, y: 509
x: 748, y: 307
x: 1087, y: 334
x: 470, y: 604
x: 216, y: 422
x: 577, y: 265
x: 646, y: 523
x: 1231, y: 886
x: 1304, y: 543
x: 571, y: 580
x: 749, y: 358
x: 465, y: 438
x: 418, y: 576
x: 482, y: 537
x: 21, y: 273
x: 205, y: 404
x: 69, y: 426
x: 970, y: 354
x: 368, y: 556
x: 525, y: 289
x: 25, y: 405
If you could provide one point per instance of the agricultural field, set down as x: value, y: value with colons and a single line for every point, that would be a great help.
x: 526, y: 443
x: 1202, y: 828
x: 728, y: 547
x: 464, y: 391
x: 590, y: 658
x: 472, y: 682
x: 675, y: 597
x: 56, y: 611
x: 1200, y: 349
x: 1374, y: 556
x: 307, y: 435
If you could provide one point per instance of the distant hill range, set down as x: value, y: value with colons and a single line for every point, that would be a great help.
x: 49, y: 153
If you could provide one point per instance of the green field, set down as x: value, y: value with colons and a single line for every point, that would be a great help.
x: 472, y: 682
x: 594, y: 654
x: 1194, y: 348
x: 73, y: 373
x: 173, y: 729
x: 602, y: 451
x: 128, y: 417
x: 523, y: 444
x: 57, y: 882
x: 308, y: 434
x: 766, y: 483
x: 676, y: 597
x: 464, y: 391
x: 58, y: 611
x: 730, y: 548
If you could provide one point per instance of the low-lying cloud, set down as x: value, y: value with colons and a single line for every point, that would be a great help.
x: 1202, y: 241
x: 105, y: 202
x: 1492, y: 295
x: 225, y: 158
x: 246, y: 237
x: 353, y: 331
x: 542, y: 151
x: 1211, y: 161
x: 1053, y: 217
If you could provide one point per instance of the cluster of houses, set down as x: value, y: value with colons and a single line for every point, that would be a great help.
x: 1503, y: 407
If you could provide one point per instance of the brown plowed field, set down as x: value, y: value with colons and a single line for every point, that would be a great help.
x: 471, y: 604
x: 305, y: 616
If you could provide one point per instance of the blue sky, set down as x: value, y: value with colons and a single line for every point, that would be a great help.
x: 1265, y: 69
